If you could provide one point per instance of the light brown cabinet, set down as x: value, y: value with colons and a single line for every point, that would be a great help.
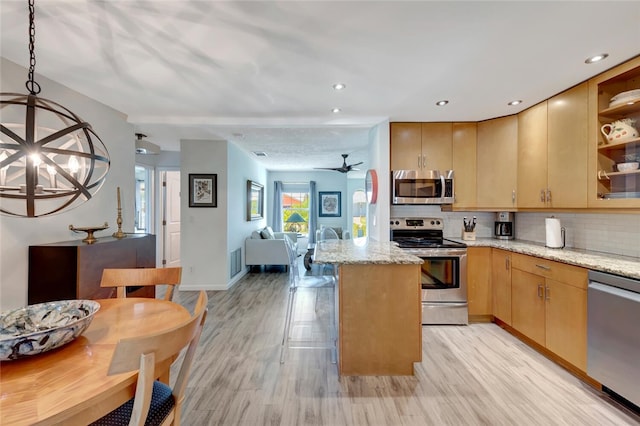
x: 567, y: 148
x: 497, y: 163
x: 607, y: 186
x: 549, y: 305
x: 421, y: 146
x: 501, y: 284
x: 532, y: 156
x: 552, y: 152
x: 479, y: 294
x: 464, y: 148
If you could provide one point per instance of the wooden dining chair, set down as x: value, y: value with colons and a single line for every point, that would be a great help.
x: 154, y: 402
x: 123, y: 278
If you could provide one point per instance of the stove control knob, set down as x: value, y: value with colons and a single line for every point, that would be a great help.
x: 433, y: 222
x: 438, y: 222
x: 397, y: 222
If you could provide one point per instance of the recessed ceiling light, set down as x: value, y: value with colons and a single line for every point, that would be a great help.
x: 442, y: 102
x: 513, y: 103
x: 339, y: 86
x: 596, y: 58
x: 336, y: 110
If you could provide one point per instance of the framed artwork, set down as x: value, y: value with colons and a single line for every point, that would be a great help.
x: 330, y: 204
x: 255, y: 200
x: 203, y: 190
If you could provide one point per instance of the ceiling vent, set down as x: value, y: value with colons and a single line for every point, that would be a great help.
x: 145, y: 147
x: 259, y: 153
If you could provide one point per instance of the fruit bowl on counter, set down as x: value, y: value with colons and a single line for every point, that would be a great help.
x: 627, y: 167
x: 40, y: 328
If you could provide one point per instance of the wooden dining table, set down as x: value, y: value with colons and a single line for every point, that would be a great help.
x: 70, y: 385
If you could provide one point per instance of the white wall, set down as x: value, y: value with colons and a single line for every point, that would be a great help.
x: 325, y: 181
x: 378, y: 214
x: 203, y: 230
x: 208, y: 235
x: 242, y: 167
x: 17, y: 234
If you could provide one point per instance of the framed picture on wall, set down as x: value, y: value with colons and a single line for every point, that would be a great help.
x: 203, y: 190
x: 255, y: 200
x: 330, y: 204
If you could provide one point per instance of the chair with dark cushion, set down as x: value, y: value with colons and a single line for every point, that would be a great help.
x: 154, y: 402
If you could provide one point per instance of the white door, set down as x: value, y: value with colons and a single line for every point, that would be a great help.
x: 171, y: 219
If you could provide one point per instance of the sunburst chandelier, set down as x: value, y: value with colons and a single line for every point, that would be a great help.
x: 50, y: 159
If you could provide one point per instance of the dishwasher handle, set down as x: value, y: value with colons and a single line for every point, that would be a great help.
x: 615, y: 291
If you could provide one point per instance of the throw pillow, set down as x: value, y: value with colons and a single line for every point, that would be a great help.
x: 255, y: 235
x: 267, y: 233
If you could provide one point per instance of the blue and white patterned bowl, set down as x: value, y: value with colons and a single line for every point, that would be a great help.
x: 42, y: 327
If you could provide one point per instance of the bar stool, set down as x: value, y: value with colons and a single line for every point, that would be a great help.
x: 311, y: 283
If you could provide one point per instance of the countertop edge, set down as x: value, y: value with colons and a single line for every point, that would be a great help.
x: 625, y: 266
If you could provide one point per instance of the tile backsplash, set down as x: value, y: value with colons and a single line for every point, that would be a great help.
x: 608, y: 233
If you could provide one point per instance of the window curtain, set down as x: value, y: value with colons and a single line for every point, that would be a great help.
x: 276, y: 222
x: 313, y: 211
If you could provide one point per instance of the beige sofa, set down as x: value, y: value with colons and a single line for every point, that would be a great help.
x: 270, y: 250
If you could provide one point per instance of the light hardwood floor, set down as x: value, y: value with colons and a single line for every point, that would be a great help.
x: 469, y: 375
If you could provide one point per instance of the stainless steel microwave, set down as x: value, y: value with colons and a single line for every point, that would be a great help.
x: 421, y: 187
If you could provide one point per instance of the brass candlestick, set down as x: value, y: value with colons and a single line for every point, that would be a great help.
x: 119, y: 233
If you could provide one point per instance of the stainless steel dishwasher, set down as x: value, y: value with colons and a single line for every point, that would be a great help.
x: 613, y: 334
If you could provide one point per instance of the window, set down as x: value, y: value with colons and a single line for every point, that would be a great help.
x: 295, y: 207
x: 143, y: 200
x: 359, y: 209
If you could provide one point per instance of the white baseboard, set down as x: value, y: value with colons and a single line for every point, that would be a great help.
x: 214, y: 287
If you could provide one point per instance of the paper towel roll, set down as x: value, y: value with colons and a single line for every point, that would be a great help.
x: 554, y: 233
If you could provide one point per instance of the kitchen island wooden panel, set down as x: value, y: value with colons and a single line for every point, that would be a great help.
x: 378, y: 305
x: 380, y: 331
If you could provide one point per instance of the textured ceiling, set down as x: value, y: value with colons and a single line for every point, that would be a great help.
x: 260, y: 73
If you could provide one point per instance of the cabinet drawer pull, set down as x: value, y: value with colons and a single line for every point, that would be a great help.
x: 546, y: 268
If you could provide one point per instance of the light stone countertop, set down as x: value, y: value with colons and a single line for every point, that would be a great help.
x: 362, y: 251
x: 598, y: 261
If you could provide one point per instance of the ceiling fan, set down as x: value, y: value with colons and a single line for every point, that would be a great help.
x: 344, y: 168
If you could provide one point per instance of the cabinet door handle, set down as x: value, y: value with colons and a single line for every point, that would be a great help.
x: 419, y: 161
x: 542, y: 195
x: 513, y: 196
x: 546, y: 268
x: 540, y: 290
x: 424, y: 161
x: 506, y: 263
x: 548, y: 195
x: 547, y: 293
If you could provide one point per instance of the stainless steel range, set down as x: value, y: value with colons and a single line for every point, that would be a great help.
x: 444, y: 271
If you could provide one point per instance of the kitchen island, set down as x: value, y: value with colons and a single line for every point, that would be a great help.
x: 378, y: 306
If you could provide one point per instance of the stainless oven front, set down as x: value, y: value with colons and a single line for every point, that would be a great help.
x: 443, y: 278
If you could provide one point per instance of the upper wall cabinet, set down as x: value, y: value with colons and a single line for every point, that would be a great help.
x: 567, y: 148
x: 532, y: 156
x: 497, y: 162
x: 464, y: 164
x: 552, y: 152
x: 421, y: 146
x: 614, y: 148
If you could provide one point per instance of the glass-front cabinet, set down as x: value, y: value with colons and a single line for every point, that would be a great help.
x: 614, y: 102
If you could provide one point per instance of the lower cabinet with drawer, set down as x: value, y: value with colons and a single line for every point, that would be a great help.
x: 549, y: 306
